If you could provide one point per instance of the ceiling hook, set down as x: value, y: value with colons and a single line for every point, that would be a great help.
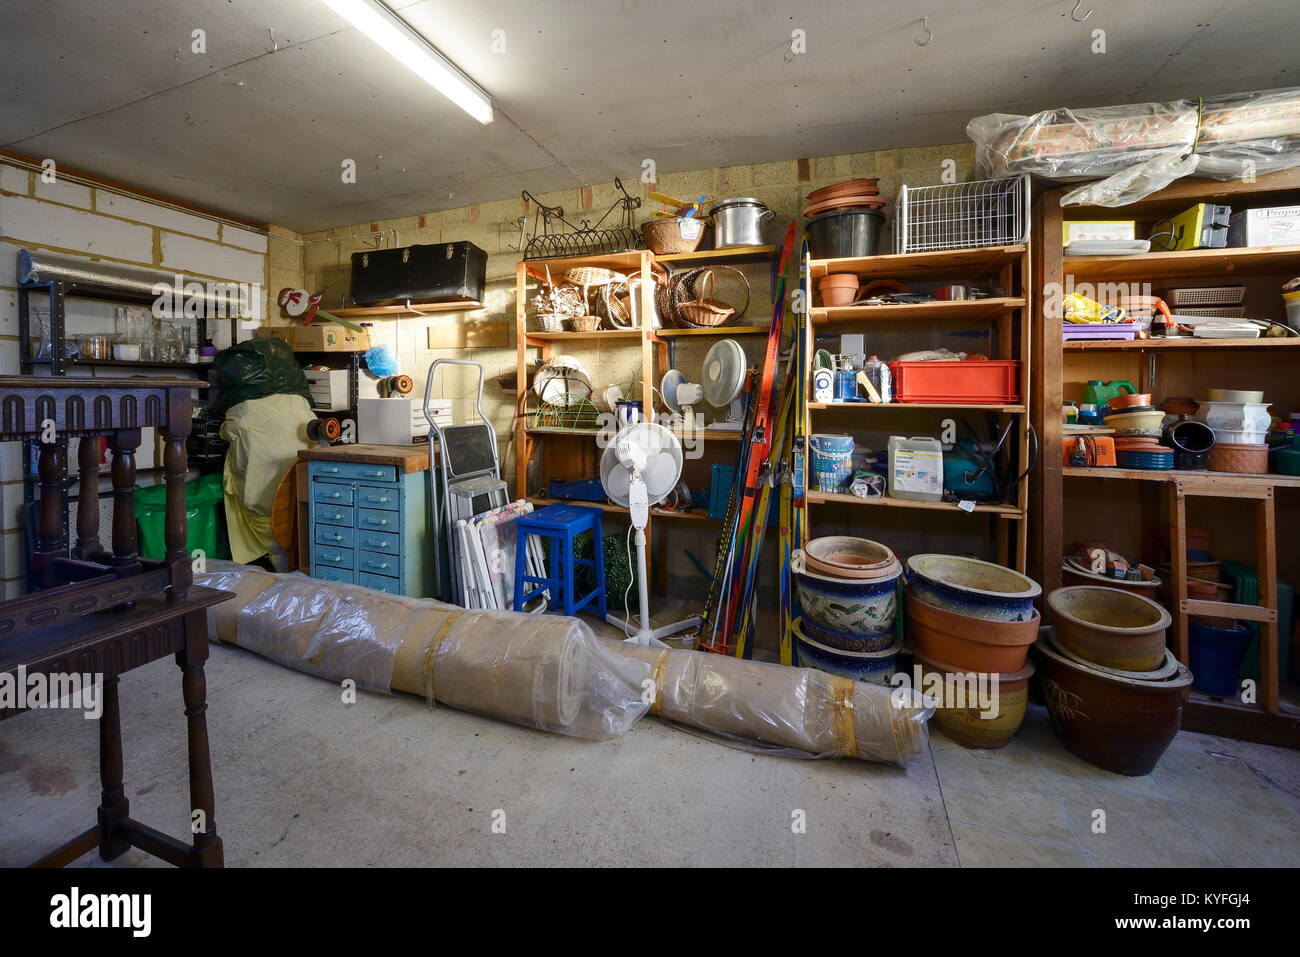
x: 1077, y: 5
x: 789, y: 52
x: 275, y: 44
x: 929, y: 34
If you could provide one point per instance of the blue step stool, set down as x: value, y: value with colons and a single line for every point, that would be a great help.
x: 560, y: 524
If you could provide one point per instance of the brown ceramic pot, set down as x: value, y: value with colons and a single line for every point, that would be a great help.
x: 838, y: 289
x: 848, y: 187
x: 1109, y: 626
x: 1121, y: 725
x: 966, y: 643
x: 972, y: 726
x: 843, y: 556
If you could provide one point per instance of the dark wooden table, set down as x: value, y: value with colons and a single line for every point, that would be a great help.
x: 102, y: 613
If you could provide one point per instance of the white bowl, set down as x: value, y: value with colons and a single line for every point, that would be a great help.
x: 127, y: 351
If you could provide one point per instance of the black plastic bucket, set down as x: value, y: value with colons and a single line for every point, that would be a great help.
x: 845, y: 233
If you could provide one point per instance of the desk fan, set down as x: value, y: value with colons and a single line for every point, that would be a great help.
x: 637, y: 469
x: 724, y: 381
x: 681, y: 397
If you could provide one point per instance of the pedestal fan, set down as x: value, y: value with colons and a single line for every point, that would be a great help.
x: 724, y: 381
x: 681, y: 397
x: 638, y: 468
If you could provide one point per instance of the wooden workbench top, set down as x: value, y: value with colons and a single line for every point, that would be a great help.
x: 410, y: 458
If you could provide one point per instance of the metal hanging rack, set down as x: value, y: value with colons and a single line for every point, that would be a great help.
x: 587, y: 239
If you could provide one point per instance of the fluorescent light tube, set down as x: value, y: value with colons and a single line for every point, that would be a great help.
x: 395, y: 36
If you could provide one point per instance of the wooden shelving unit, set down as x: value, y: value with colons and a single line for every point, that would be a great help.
x: 1168, y: 367
x: 1008, y: 316
x: 406, y: 309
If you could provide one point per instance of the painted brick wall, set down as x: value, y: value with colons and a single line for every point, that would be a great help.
x: 84, y: 220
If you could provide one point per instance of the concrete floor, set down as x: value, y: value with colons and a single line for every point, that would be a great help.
x: 304, y: 780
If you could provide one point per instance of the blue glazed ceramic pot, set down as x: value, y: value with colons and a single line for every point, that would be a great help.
x: 873, y: 666
x: 852, y: 607
x: 972, y: 587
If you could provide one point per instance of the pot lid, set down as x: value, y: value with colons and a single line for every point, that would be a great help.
x: 737, y: 201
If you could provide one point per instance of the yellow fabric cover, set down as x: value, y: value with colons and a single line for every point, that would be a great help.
x: 265, y: 436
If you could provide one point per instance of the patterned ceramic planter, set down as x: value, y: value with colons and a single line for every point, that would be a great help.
x: 873, y: 666
x: 971, y: 587
x: 851, y: 607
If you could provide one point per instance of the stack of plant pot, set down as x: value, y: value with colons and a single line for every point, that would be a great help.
x: 1114, y: 691
x: 970, y: 625
x: 844, y: 219
x: 848, y: 594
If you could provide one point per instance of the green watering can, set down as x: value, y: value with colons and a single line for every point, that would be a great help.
x: 1100, y: 393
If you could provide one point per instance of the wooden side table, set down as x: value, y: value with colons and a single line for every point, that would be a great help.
x: 103, y: 613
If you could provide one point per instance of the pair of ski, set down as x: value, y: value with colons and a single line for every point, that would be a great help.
x: 728, y: 616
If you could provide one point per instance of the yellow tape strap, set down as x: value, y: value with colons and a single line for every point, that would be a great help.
x: 842, y: 703
x: 657, y: 676
x: 438, y: 638
x: 1200, y: 122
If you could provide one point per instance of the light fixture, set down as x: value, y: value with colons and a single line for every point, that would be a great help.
x: 396, y: 36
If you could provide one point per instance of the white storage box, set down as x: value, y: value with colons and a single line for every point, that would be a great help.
x: 329, y: 389
x: 398, y: 420
x: 1274, y: 226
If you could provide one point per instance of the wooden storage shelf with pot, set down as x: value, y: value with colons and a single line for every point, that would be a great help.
x: 1009, y: 318
x: 1143, y: 502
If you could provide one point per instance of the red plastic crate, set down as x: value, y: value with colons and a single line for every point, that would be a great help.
x: 988, y: 382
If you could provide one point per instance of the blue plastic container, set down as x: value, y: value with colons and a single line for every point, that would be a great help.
x: 1214, y: 655
x: 832, y: 461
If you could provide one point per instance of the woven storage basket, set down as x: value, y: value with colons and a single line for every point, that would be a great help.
x: 1228, y: 457
x: 693, y: 304
x: 551, y: 321
x: 585, y: 323
x: 664, y: 236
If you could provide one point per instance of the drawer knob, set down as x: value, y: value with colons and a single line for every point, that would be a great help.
x: 378, y: 544
x: 336, y: 494
x: 331, y: 470
x: 377, y: 521
x: 336, y: 558
x: 378, y: 564
x: 382, y: 499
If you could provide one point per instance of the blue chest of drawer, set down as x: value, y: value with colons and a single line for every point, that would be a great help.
x: 370, y: 520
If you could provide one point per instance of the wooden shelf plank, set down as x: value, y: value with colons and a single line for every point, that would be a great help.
x: 1189, y: 263
x: 699, y: 436
x: 1143, y: 345
x: 953, y: 262
x: 730, y: 254
x: 572, y: 336
x: 1225, y: 609
x: 737, y: 330
x: 1009, y: 511
x: 1228, y: 479
x: 417, y: 308
x: 970, y: 310
x: 629, y: 262
x: 915, y: 405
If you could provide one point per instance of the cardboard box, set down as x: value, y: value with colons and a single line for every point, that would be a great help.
x: 393, y: 421
x: 1111, y: 229
x: 329, y: 389
x: 1273, y: 226
x: 318, y: 337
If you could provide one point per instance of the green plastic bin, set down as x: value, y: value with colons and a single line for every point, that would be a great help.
x: 203, y: 501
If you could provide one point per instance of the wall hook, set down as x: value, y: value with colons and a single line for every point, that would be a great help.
x: 275, y: 44
x: 929, y: 34
x: 789, y: 52
x: 1077, y: 5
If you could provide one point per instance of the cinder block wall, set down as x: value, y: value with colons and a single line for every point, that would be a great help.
x: 85, y: 220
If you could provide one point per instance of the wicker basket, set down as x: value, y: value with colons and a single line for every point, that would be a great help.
x: 1230, y: 457
x: 551, y: 321
x: 664, y: 236
x: 690, y: 296
x: 585, y: 323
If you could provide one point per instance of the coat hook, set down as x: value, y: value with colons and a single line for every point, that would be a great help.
x: 1077, y: 5
x: 275, y: 44
x: 929, y: 34
x: 789, y: 52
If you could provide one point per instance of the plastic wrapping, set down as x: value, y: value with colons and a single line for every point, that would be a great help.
x: 258, y: 368
x: 545, y: 672
x: 1140, y: 148
x: 794, y: 711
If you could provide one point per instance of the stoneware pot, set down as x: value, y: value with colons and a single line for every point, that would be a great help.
x: 1121, y: 725
x: 849, y: 606
x: 1110, y: 627
x: 967, y: 725
x: 843, y: 556
x: 966, y: 643
x: 842, y: 642
x: 972, y: 587
x: 873, y: 666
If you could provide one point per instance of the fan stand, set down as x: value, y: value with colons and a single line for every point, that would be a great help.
x: 639, y: 505
x: 735, y: 420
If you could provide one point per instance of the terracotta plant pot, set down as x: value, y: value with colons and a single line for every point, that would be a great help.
x: 843, y: 556
x: 967, y: 725
x: 1130, y: 400
x: 968, y: 644
x: 1110, y: 627
x: 849, y: 187
x: 1121, y: 725
x: 972, y: 587
x: 838, y: 289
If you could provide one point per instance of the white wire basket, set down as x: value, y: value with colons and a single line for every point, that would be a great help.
x: 988, y: 212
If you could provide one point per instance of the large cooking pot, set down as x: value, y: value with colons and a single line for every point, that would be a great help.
x: 739, y: 222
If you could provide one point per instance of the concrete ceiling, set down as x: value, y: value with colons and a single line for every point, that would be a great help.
x: 584, y: 91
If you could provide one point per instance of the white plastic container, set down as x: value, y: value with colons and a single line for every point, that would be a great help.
x: 915, y: 468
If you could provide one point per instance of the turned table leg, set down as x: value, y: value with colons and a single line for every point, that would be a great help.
x: 49, y: 521
x: 113, y: 805
x: 88, y: 497
x: 207, y: 845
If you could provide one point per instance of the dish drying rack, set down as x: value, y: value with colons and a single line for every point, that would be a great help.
x: 587, y: 239
x: 989, y: 212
